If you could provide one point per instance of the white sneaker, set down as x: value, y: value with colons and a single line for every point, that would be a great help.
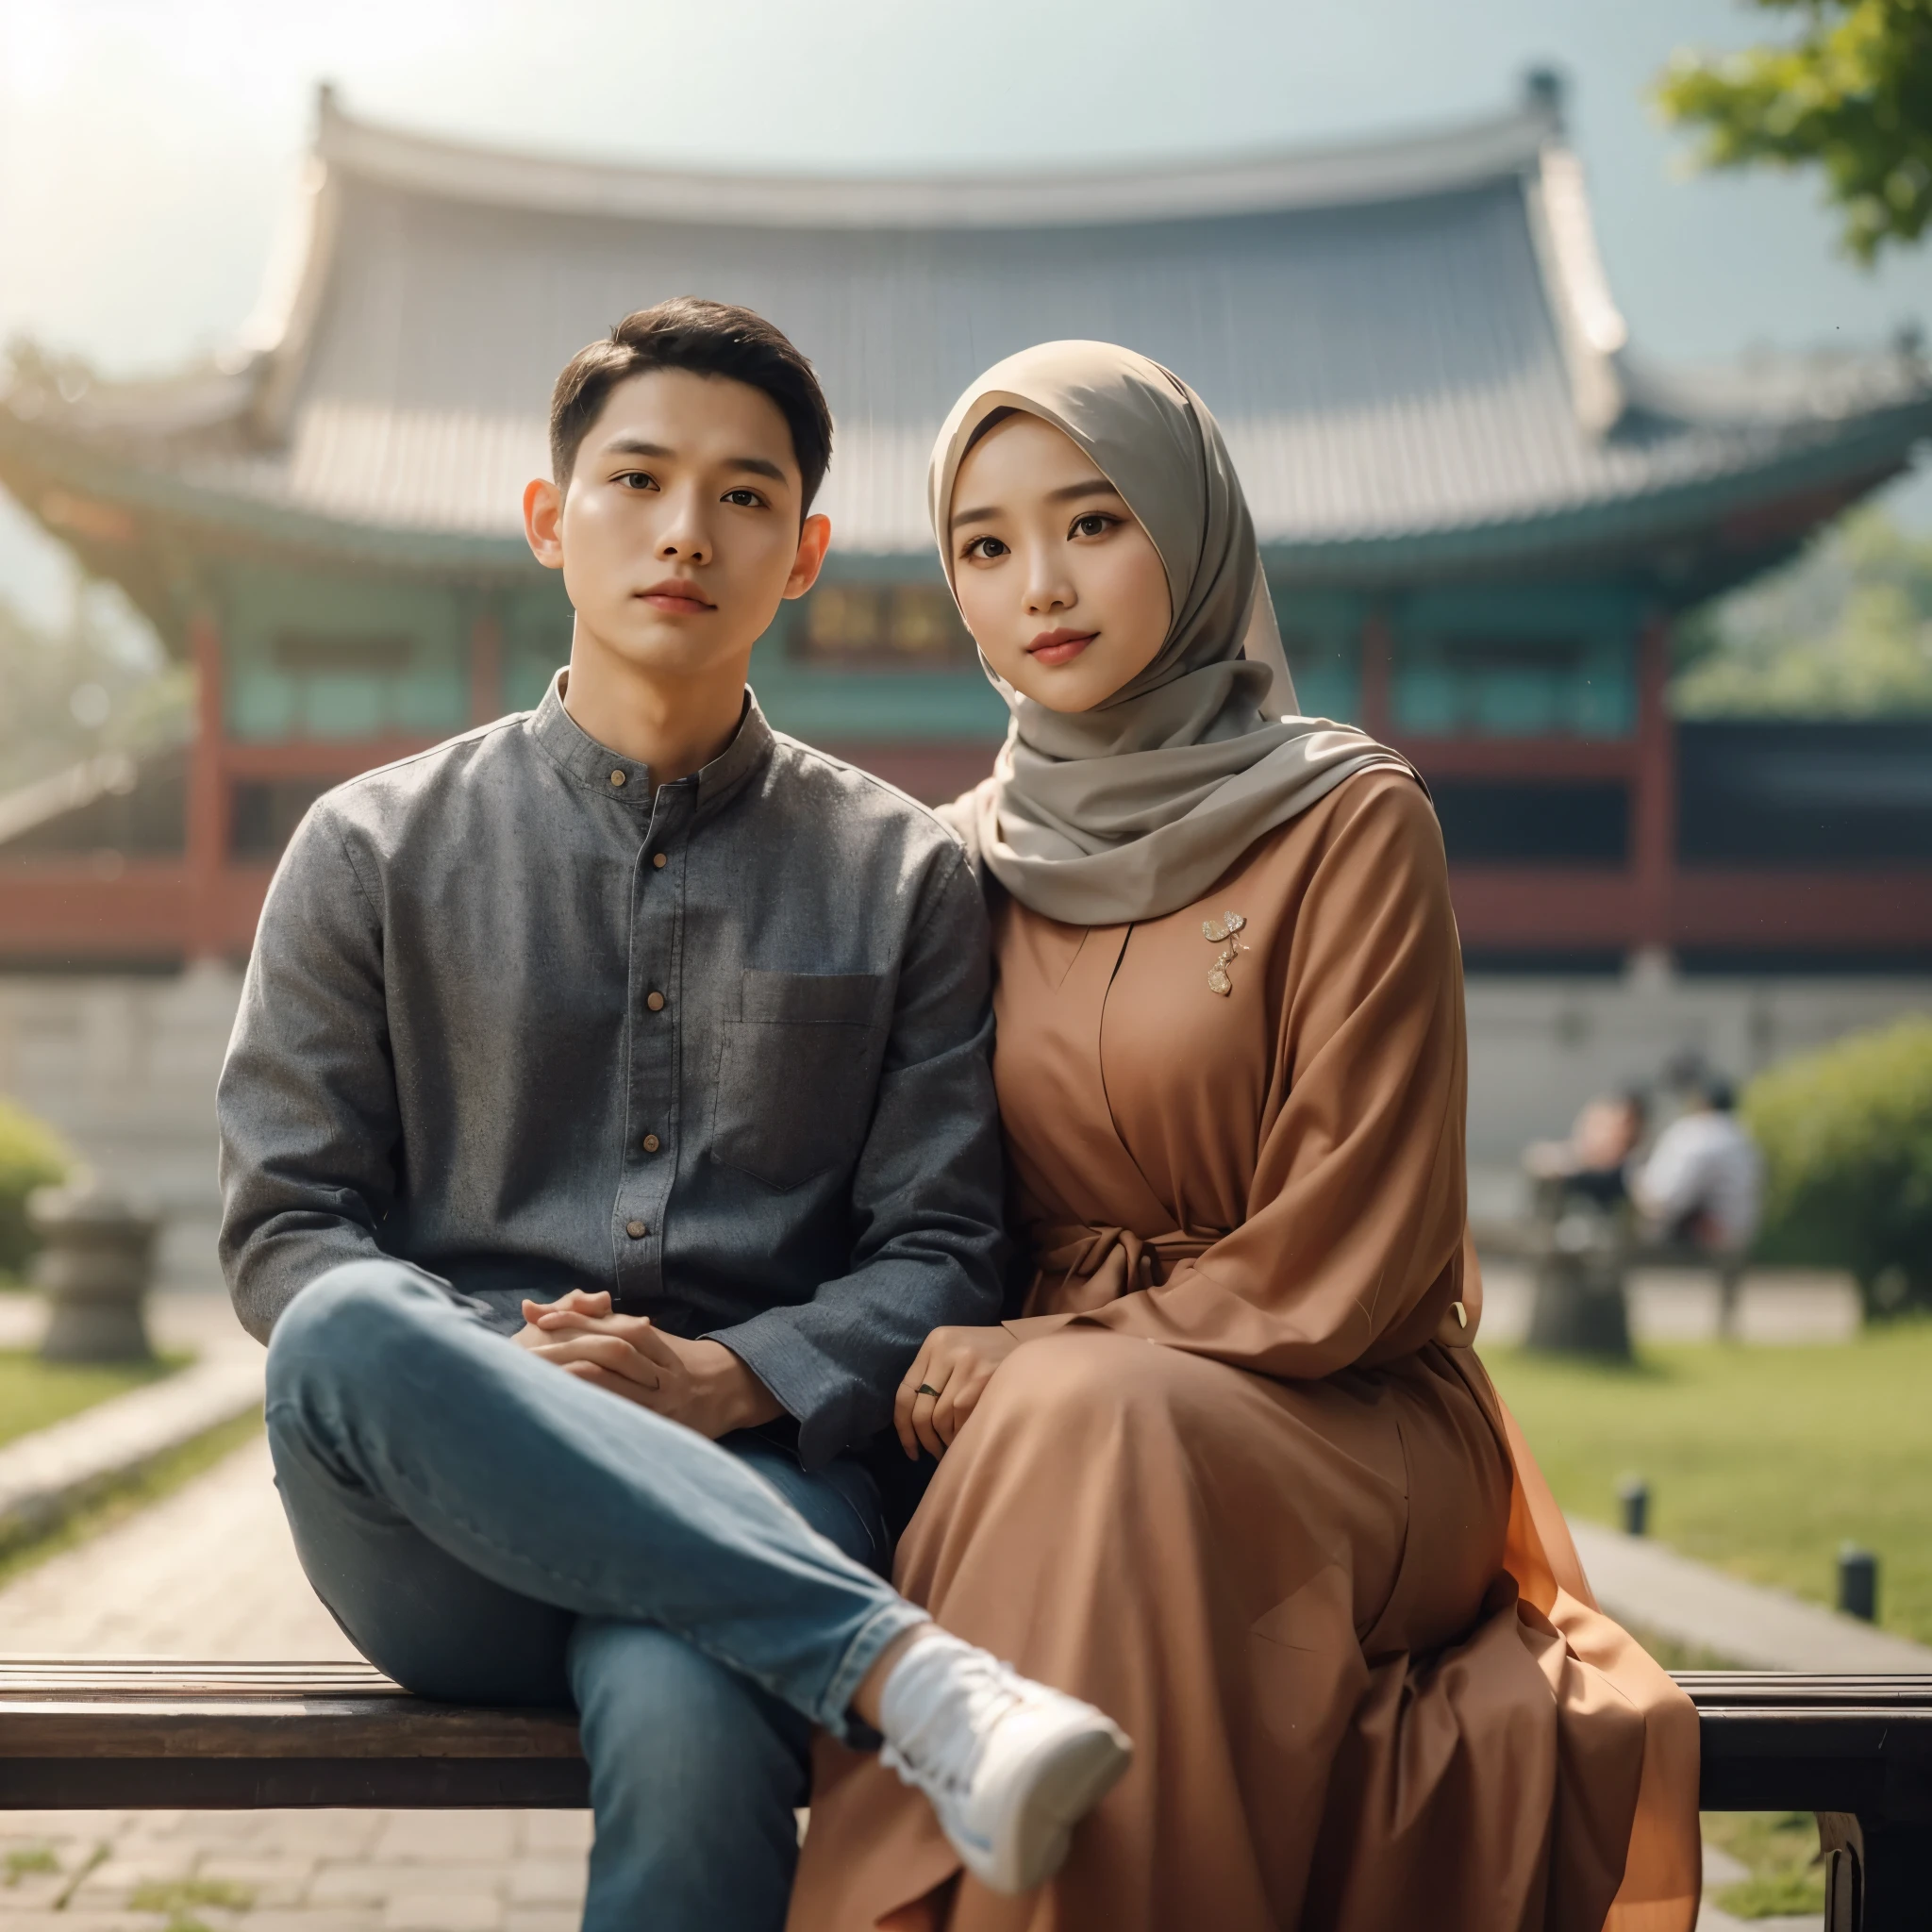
x: 1010, y: 1766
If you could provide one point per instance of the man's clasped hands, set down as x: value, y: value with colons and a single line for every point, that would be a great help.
x: 707, y: 1388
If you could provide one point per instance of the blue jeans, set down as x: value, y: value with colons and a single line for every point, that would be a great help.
x: 486, y: 1529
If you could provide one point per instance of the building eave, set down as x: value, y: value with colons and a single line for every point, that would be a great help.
x: 1682, y: 543
x: 73, y: 486
x: 1647, y: 534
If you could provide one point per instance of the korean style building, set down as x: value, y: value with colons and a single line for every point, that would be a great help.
x: 1481, y: 515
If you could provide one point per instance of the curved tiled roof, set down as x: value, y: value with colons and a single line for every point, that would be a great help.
x: 1403, y: 342
x: 1430, y: 162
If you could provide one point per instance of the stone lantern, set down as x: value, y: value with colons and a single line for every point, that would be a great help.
x: 1582, y: 1253
x: 96, y: 1261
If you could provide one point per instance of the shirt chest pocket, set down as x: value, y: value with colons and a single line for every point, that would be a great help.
x: 797, y: 1074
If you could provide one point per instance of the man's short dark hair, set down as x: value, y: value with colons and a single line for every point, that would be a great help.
x: 707, y: 339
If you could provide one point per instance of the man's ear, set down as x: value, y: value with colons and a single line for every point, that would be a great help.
x: 814, y: 540
x: 543, y: 522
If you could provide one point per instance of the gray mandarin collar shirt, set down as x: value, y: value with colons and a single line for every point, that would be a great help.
x: 723, y: 1052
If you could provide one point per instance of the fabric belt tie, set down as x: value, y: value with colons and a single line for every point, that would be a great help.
x: 1082, y: 1268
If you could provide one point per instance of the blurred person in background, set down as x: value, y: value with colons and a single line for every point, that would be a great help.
x: 1702, y: 1184
x: 1595, y: 1161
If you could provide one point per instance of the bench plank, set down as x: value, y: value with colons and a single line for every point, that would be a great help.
x: 1814, y: 1743
x: 289, y: 1726
x: 79, y: 1734
x: 257, y: 1784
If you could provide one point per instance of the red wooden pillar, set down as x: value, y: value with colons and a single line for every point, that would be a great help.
x: 1654, y: 803
x: 486, y: 668
x: 208, y: 795
x: 1378, y: 675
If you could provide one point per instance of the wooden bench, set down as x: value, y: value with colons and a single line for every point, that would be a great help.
x: 80, y: 1734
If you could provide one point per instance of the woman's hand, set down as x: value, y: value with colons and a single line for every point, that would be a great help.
x: 957, y: 1363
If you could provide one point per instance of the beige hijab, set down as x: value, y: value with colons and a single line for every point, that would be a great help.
x: 1135, y: 808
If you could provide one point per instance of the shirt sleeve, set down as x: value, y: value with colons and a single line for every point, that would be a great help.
x: 927, y: 1247
x: 1352, y: 1248
x: 307, y: 1101
x: 1677, y: 1175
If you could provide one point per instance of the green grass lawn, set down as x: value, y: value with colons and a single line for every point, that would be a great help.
x: 1759, y: 1461
x: 1780, y: 1849
x: 34, y: 1394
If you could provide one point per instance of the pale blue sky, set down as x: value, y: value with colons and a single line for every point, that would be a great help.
x: 146, y: 145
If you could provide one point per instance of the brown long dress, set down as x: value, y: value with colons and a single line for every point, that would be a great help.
x: 1246, y: 1488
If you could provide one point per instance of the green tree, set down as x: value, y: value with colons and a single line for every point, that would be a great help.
x: 1845, y: 631
x: 1850, y: 94
x: 1846, y: 1134
x: 99, y: 684
x: 31, y: 1156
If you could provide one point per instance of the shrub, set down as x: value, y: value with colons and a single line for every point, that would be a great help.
x: 31, y: 1156
x: 1847, y: 1139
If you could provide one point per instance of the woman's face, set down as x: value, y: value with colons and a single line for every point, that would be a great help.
x: 1061, y: 585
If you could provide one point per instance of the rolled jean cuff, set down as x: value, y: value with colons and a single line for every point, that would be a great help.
x: 876, y: 1635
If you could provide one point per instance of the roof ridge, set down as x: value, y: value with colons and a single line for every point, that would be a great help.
x: 1396, y: 167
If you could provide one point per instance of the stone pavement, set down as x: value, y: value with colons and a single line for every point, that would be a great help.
x: 210, y: 1573
x: 1754, y: 1628
x: 43, y: 1474
x: 1788, y: 1308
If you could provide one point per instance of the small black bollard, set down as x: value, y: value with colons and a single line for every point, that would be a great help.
x: 1857, y: 1583
x: 1633, y: 1492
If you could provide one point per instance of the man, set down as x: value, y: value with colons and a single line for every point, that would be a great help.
x: 659, y: 1041
x: 1703, y: 1186
x: 1704, y: 1181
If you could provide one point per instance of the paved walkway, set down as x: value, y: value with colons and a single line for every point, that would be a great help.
x: 210, y: 1573
x: 1754, y: 1629
x: 1777, y: 1307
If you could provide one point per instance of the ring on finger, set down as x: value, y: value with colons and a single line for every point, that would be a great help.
x: 927, y: 1388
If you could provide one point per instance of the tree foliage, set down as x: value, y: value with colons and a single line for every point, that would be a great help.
x: 1850, y: 94
x: 31, y: 1156
x: 1846, y: 1134
x: 96, y: 685
x: 1844, y: 632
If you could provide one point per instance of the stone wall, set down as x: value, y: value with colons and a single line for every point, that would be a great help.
x: 1540, y: 1048
x: 126, y: 1067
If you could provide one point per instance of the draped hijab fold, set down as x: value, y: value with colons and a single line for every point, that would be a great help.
x: 1134, y: 809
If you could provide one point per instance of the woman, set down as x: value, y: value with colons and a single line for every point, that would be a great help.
x: 1294, y: 1546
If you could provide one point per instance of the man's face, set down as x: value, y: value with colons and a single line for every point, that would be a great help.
x: 678, y: 533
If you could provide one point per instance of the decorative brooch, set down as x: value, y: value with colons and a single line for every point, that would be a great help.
x: 1223, y: 936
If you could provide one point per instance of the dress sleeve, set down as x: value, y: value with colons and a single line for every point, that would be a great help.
x: 1352, y: 1249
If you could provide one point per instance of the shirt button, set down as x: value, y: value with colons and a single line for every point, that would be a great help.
x: 652, y: 1143
x: 657, y: 860
x: 636, y: 1229
x: 654, y: 1001
x: 617, y: 777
